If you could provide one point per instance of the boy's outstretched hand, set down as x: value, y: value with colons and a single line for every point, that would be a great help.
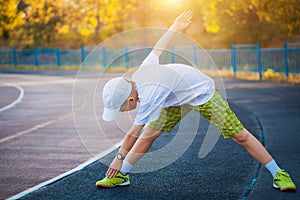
x: 182, y: 21
x: 114, y: 168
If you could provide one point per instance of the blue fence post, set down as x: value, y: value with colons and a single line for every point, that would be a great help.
x: 36, y: 56
x: 57, y: 52
x: 126, y: 57
x: 172, y: 54
x: 233, y: 60
x: 286, y: 67
x: 195, y: 50
x: 104, y: 57
x: 14, y: 53
x: 82, y: 50
x: 259, y: 65
x: 149, y: 49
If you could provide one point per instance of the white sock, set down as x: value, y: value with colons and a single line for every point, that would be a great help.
x: 272, y: 167
x: 126, y: 167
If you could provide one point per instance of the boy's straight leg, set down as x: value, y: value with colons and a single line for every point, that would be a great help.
x: 281, y: 179
x: 218, y: 113
x: 253, y: 146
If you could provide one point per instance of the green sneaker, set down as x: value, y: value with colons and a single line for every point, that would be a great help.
x: 118, y: 180
x: 283, y: 181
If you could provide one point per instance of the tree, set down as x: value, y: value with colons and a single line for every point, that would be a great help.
x: 251, y: 21
x: 98, y: 19
x: 285, y: 14
x: 40, y: 19
x: 72, y: 23
x: 12, y: 14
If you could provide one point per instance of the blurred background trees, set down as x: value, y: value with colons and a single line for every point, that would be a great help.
x: 216, y: 24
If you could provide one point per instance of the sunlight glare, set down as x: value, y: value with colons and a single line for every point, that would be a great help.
x: 173, y: 2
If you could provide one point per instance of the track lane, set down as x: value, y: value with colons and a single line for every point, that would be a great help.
x: 38, y: 140
x: 48, y: 152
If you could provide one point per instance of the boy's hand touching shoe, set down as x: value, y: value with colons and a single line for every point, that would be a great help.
x: 118, y: 180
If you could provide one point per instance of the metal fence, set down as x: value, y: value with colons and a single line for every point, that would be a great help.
x: 240, y: 58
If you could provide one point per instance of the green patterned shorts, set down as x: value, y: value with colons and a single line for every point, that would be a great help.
x: 216, y: 111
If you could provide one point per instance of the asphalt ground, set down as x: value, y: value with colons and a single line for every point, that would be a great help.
x: 38, y: 137
x: 266, y: 109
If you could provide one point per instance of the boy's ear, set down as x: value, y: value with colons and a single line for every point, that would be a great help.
x: 130, y: 99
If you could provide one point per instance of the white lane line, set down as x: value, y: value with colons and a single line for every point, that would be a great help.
x: 39, y: 126
x: 57, y: 178
x: 11, y: 137
x: 45, y: 82
x: 18, y: 100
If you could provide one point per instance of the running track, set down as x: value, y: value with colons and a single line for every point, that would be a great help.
x: 39, y: 141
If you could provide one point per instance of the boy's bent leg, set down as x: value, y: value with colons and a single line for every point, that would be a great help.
x: 139, y: 149
x: 142, y: 145
x: 168, y: 118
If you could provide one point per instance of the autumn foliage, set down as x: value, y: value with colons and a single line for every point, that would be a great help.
x: 216, y: 24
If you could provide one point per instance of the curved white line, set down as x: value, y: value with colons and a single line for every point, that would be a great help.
x: 57, y: 178
x: 18, y: 100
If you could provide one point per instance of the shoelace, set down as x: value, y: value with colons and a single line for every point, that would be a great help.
x: 283, y: 173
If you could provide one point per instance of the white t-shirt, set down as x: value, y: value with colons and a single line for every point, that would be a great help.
x: 162, y: 86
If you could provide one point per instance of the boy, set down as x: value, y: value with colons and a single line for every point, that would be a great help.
x: 164, y: 95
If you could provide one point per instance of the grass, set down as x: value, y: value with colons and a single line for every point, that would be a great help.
x: 269, y: 75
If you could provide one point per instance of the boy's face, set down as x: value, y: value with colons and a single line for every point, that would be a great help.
x: 130, y: 104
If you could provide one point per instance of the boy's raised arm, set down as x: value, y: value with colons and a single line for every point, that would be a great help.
x: 180, y: 23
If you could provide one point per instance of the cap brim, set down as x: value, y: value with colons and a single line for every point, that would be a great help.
x: 110, y: 114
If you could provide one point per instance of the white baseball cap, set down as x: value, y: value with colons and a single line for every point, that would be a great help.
x: 115, y: 93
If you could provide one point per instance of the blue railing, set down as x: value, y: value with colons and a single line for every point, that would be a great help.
x: 240, y: 58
